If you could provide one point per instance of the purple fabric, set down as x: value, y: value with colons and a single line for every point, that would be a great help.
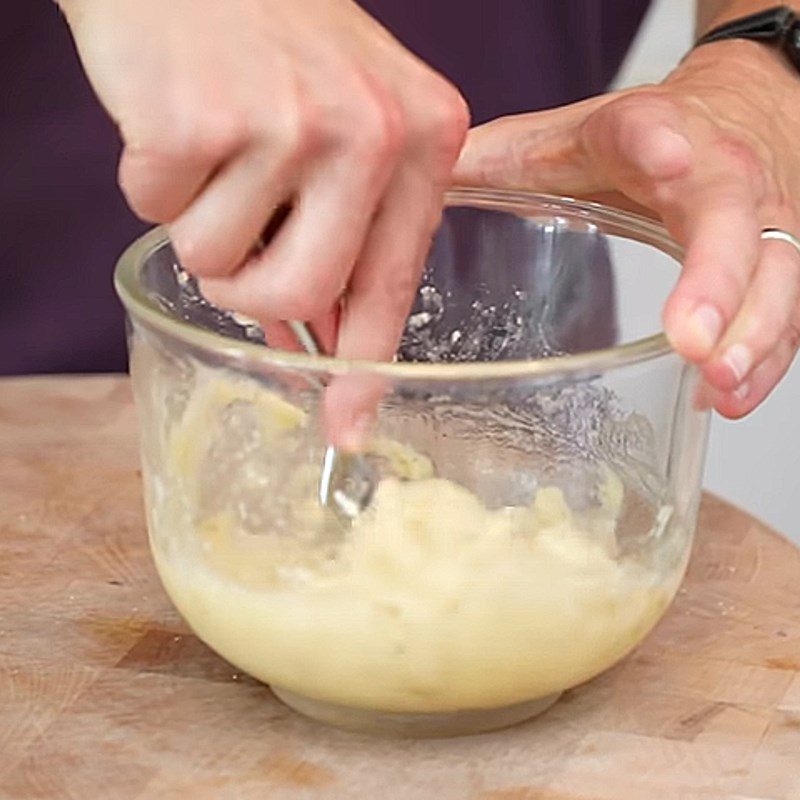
x: 510, y: 56
x: 64, y: 222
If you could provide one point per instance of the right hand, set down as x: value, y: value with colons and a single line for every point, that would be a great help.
x: 229, y: 109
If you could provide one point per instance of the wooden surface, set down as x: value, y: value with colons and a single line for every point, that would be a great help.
x: 105, y: 694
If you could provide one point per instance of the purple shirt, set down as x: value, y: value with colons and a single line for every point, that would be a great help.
x: 64, y: 222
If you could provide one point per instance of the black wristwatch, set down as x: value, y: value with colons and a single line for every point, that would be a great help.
x: 778, y: 26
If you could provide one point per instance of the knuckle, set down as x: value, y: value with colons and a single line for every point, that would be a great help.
x: 156, y: 155
x: 379, y: 132
x: 729, y: 286
x: 285, y: 135
x: 310, y: 135
x: 300, y: 134
x: 764, y: 335
x: 623, y: 119
x: 207, y: 139
x: 447, y: 116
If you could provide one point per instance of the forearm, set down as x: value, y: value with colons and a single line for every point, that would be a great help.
x: 711, y: 13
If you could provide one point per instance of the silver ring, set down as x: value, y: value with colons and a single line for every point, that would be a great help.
x: 780, y: 235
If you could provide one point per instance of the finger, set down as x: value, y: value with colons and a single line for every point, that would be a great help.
x: 764, y: 378
x: 217, y: 232
x: 580, y: 149
x: 539, y: 151
x: 380, y: 296
x: 158, y: 185
x: 762, y: 320
x: 722, y: 235
x: 706, y: 190
x: 279, y: 335
x: 636, y: 143
x: 303, y: 272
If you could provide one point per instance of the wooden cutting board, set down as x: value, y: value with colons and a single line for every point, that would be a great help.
x: 105, y: 694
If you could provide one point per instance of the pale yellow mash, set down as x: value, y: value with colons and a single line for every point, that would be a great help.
x: 431, y: 603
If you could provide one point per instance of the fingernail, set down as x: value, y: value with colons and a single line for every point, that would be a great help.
x: 706, y: 324
x: 742, y: 392
x: 739, y: 360
x: 356, y: 436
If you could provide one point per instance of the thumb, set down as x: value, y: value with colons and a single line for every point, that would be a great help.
x: 541, y: 151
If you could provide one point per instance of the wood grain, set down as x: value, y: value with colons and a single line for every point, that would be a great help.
x: 104, y: 693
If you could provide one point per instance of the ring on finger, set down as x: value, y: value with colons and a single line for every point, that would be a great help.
x: 780, y: 235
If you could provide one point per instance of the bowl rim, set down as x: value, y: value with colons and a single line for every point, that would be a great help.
x: 143, y: 308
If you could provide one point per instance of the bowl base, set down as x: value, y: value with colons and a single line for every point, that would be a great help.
x: 416, y: 726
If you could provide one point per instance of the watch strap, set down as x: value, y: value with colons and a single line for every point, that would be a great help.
x: 779, y: 26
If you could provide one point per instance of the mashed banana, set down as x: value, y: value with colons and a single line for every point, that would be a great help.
x: 431, y: 603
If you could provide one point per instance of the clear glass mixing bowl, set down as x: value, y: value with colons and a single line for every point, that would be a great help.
x: 539, y: 459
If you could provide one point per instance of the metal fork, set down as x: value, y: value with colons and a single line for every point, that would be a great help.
x: 347, y: 480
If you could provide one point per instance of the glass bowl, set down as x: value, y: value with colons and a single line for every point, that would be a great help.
x: 539, y: 458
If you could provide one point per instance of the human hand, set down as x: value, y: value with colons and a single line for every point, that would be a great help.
x: 228, y: 110
x: 713, y: 152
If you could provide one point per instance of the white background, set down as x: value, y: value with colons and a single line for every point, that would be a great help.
x: 754, y: 462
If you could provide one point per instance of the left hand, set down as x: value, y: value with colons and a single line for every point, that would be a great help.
x: 713, y: 152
